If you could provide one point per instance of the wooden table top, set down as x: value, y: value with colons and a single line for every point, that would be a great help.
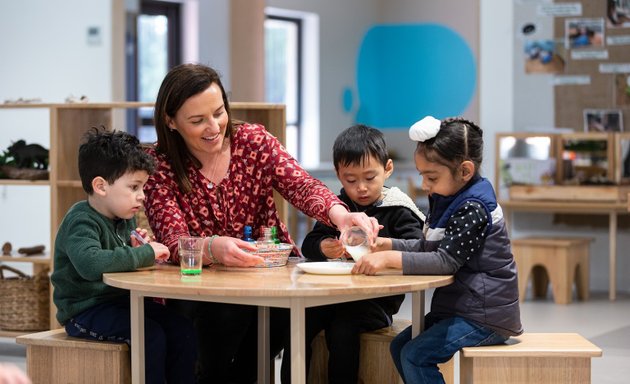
x: 277, y: 282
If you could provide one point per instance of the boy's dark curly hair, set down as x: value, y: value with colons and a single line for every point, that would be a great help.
x: 110, y: 154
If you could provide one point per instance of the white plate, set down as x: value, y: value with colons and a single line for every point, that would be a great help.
x: 326, y: 268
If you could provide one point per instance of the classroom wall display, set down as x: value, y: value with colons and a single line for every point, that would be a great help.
x: 541, y: 56
x: 603, y: 120
x: 584, y: 33
x: 618, y: 13
x: 622, y: 90
x: 607, y: 95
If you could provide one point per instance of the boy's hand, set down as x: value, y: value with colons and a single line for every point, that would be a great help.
x: 331, y: 248
x: 161, y: 251
x: 139, y: 237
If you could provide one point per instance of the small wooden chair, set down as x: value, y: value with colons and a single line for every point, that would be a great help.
x: 53, y: 357
x: 561, y: 260
x: 376, y: 365
x: 559, y: 358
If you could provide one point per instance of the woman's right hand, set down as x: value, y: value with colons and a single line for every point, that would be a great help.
x: 230, y: 252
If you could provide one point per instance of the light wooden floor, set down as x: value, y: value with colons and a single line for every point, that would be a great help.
x: 605, y: 323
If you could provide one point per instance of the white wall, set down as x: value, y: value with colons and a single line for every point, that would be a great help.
x: 342, y: 26
x: 45, y: 54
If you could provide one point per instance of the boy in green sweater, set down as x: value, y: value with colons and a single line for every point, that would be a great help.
x: 95, y: 238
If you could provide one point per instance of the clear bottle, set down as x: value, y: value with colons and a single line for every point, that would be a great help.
x: 265, y: 241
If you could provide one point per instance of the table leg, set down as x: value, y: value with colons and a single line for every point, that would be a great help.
x: 137, y: 338
x: 264, y: 373
x: 612, y: 239
x: 417, y: 313
x: 298, y: 345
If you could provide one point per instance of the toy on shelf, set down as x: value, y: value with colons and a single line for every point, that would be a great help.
x: 24, y: 161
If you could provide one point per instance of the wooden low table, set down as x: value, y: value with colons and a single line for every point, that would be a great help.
x: 283, y: 287
x: 552, y: 358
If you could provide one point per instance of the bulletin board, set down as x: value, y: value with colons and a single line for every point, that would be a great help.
x: 596, y: 54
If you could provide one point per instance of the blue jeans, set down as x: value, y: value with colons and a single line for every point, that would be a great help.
x: 417, y: 359
x: 170, y: 348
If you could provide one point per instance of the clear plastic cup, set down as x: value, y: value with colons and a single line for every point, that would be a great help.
x: 356, y: 242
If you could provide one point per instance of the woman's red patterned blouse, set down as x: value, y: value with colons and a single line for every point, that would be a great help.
x: 258, y: 165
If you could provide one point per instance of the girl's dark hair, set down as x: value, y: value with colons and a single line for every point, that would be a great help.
x: 358, y: 142
x: 457, y: 140
x: 180, y: 83
x: 110, y: 154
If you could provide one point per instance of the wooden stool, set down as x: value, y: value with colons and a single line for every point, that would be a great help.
x: 530, y: 358
x: 561, y: 260
x: 53, y: 357
x: 376, y: 365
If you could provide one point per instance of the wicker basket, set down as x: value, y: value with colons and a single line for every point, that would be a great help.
x: 24, y: 301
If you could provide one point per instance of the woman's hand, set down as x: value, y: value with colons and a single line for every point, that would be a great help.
x: 229, y: 251
x: 373, y: 263
x: 344, y: 219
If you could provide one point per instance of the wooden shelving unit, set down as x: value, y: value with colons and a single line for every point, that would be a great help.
x: 68, y: 123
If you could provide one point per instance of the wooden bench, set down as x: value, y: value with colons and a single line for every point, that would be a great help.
x: 530, y: 358
x: 376, y: 365
x: 561, y: 260
x: 53, y: 357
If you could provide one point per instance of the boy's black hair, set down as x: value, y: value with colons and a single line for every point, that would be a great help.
x: 355, y: 144
x: 110, y: 154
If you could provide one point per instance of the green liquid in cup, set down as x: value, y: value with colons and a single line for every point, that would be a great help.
x: 190, y: 262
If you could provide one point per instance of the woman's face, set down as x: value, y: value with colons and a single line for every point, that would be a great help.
x: 202, y: 121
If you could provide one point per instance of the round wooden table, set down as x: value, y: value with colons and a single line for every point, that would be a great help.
x: 284, y: 287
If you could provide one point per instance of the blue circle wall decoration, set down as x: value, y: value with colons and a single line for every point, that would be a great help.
x: 407, y: 71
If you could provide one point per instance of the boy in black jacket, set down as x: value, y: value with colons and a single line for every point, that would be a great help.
x: 362, y: 165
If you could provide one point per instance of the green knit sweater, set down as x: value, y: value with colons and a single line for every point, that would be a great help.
x: 87, y: 245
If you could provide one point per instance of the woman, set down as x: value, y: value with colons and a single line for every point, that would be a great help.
x: 213, y: 177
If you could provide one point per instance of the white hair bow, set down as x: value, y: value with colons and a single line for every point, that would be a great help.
x: 424, y: 129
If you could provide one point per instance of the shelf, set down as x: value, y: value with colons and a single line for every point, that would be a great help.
x: 39, y: 259
x: 69, y: 183
x: 68, y: 123
x: 24, y: 182
x: 123, y: 104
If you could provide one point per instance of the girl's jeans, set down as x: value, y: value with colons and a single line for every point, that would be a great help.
x: 417, y: 359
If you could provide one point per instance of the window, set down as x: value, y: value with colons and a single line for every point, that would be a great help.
x: 153, y: 50
x: 283, y: 73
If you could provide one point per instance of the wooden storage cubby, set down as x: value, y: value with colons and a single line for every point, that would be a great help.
x: 67, y: 125
x: 599, y: 159
x: 585, y: 157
